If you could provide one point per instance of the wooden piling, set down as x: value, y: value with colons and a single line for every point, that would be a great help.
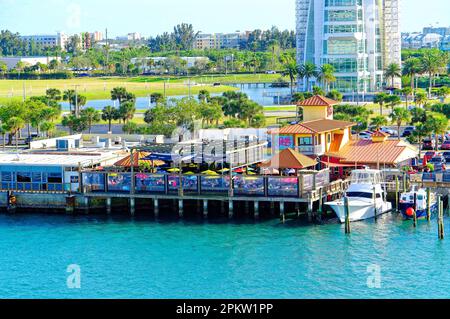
x: 375, y: 213
x: 282, y: 212
x: 347, y: 215
x: 108, y: 205
x: 156, y: 207
x: 256, y: 209
x: 230, y: 209
x: 205, y: 209
x: 132, y: 206
x: 397, y: 192
x: 180, y: 208
x: 429, y: 204
x: 415, y: 210
x: 441, y: 218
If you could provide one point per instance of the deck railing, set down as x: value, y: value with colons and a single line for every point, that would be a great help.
x: 243, y: 185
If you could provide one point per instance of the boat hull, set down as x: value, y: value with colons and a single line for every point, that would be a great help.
x: 420, y: 213
x: 359, y: 210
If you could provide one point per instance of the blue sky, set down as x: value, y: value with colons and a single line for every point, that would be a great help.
x: 150, y: 17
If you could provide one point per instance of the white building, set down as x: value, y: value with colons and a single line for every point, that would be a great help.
x: 358, y: 37
x: 220, y: 40
x: 147, y: 67
x: 11, y: 62
x: 135, y: 36
x: 56, y: 40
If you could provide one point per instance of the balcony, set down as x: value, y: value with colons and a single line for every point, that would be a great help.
x: 311, y: 149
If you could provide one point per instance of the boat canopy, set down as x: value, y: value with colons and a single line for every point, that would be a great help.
x: 366, y: 176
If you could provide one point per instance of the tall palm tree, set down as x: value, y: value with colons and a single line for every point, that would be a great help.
x: 118, y: 94
x: 378, y: 121
x: 439, y: 124
x: 326, y: 76
x: 109, y: 114
x: 126, y: 111
x: 306, y: 72
x: 432, y: 62
x: 290, y: 69
x: 14, y: 125
x: 411, y: 68
x: 92, y: 116
x: 399, y: 116
x: 393, y: 71
x: 380, y: 99
x: 421, y: 131
x: 420, y: 98
x: 407, y: 92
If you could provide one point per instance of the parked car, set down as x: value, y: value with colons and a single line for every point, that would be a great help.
x: 408, y: 131
x: 445, y: 146
x: 365, y: 135
x: 429, y: 155
x: 389, y: 131
x: 446, y: 156
x: 428, y: 144
x: 438, y: 161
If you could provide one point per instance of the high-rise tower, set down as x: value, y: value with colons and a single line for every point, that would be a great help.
x: 358, y: 37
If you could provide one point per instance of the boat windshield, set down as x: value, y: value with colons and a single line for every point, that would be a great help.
x: 361, y: 195
x: 366, y: 177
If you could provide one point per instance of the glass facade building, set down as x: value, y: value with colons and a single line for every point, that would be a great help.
x: 358, y: 37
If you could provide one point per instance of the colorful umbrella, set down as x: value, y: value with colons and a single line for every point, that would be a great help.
x: 173, y: 170
x: 209, y: 172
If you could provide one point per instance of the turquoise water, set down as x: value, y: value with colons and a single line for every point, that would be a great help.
x: 141, y: 258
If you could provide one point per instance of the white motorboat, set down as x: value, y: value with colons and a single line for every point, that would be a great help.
x: 365, y: 197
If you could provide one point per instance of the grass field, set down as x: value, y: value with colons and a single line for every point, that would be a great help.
x: 100, y: 88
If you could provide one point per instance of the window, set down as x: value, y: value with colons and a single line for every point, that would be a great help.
x: 55, y: 178
x: 305, y: 141
x: 329, y: 138
x: 23, y: 177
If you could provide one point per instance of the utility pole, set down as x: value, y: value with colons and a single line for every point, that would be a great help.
x: 107, y: 50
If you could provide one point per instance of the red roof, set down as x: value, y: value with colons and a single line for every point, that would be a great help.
x: 289, y: 158
x: 137, y: 160
x: 314, y: 127
x: 318, y: 100
x: 380, y: 134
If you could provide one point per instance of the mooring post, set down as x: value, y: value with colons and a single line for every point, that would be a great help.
x: 205, y: 209
x: 86, y: 205
x: 230, y: 209
x: 320, y: 210
x: 310, y: 210
x: 347, y: 215
x: 132, y: 206
x: 397, y: 191
x: 441, y: 218
x: 282, y: 212
x: 108, y: 205
x: 256, y: 210
x: 156, y: 207
x: 375, y: 203
x: 180, y: 208
x: 429, y: 204
x: 404, y: 182
x: 415, y: 211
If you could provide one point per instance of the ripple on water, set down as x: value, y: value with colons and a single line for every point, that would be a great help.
x: 123, y: 258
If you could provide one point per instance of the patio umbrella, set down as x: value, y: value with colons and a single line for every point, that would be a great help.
x: 251, y: 173
x: 189, y: 173
x: 224, y: 170
x: 239, y: 170
x: 209, y: 172
x: 138, y: 159
x: 173, y: 170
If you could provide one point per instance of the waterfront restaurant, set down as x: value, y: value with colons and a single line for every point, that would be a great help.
x: 317, y: 134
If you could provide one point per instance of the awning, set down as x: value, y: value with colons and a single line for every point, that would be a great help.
x: 329, y: 164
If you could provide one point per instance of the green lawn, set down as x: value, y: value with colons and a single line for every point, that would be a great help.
x: 100, y: 88
x: 210, y: 79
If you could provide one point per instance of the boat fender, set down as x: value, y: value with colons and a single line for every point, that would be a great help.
x: 410, y: 212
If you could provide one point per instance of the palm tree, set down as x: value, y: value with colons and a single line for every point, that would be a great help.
x: 393, y: 101
x: 407, y: 91
x: 290, y: 69
x: 203, y: 95
x: 393, y: 71
x: 3, y: 131
x: 92, y: 116
x: 422, y: 130
x: 399, y: 116
x: 443, y: 93
x: 432, y: 62
x: 109, y: 114
x: 378, y: 121
x: 48, y: 128
x: 119, y: 94
x: 306, y: 72
x: 420, y: 99
x: 126, y: 111
x: 438, y: 124
x: 380, y: 99
x: 326, y: 75
x: 411, y: 68
x: 14, y: 125
x: 69, y: 96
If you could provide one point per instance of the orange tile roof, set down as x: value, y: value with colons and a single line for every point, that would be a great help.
x: 314, y: 127
x: 380, y: 134
x: 318, y: 100
x: 368, y: 152
x: 289, y: 158
x: 137, y: 160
